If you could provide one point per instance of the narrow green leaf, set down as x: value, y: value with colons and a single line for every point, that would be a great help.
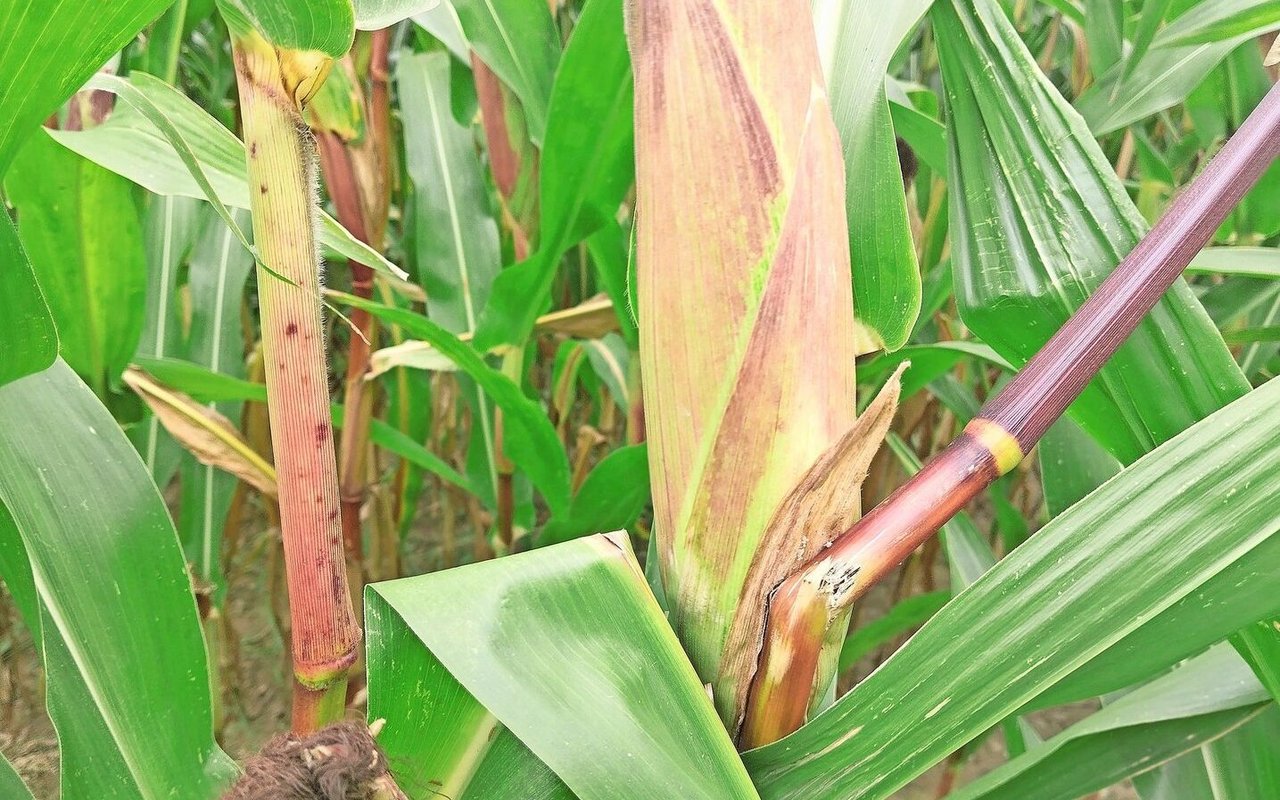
x: 611, y: 498
x: 532, y: 443
x: 1153, y: 12
x: 1196, y: 703
x: 131, y: 144
x: 1072, y: 465
x: 1167, y: 525
x: 517, y: 39
x: 861, y: 38
x: 82, y: 232
x: 586, y: 167
x: 565, y: 647
x: 128, y: 678
x: 1170, y: 69
x: 1104, y: 31
x: 172, y: 225
x: 25, y: 320
x: 1254, y: 262
x: 1218, y: 20
x: 11, y: 786
x: 455, y: 238
x: 215, y: 288
x: 927, y: 136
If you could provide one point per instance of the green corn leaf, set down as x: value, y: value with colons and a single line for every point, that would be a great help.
x: 83, y: 234
x: 857, y: 40
x: 216, y: 281
x: 1170, y: 69
x: 84, y: 35
x: 127, y: 671
x: 454, y: 235
x: 11, y: 785
x: 374, y: 14
x: 1196, y: 703
x: 1219, y: 20
x: 1243, y: 765
x: 1072, y: 464
x: 517, y: 39
x: 172, y: 225
x: 1153, y: 12
x: 532, y: 443
x: 24, y: 313
x: 611, y: 361
x: 586, y: 167
x: 611, y: 498
x: 1031, y: 244
x: 567, y: 649
x: 323, y: 25
x: 1104, y: 30
x: 455, y: 239
x: 1173, y: 521
x: 927, y: 136
x: 130, y: 144
x: 1253, y: 262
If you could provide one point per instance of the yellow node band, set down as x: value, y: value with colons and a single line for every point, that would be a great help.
x: 1003, y: 446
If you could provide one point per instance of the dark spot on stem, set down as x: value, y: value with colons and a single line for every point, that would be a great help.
x: 291, y: 329
x: 322, y: 432
x: 262, y: 188
x: 253, y: 150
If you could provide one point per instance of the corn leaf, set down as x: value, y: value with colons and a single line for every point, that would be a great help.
x: 374, y: 14
x: 533, y: 444
x: 216, y: 280
x: 585, y: 170
x: 611, y: 498
x: 1172, y: 67
x: 84, y: 35
x: 130, y: 144
x: 517, y: 39
x: 612, y: 706
x: 1173, y: 521
x: 1198, y: 702
x: 82, y: 232
x: 127, y: 671
x: 27, y: 322
x: 11, y: 785
x: 323, y: 25
x: 859, y: 39
x: 172, y: 225
x: 1031, y: 244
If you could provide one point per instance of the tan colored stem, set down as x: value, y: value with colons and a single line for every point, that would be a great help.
x: 325, y: 635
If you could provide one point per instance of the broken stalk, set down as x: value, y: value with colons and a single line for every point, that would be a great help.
x: 804, y: 605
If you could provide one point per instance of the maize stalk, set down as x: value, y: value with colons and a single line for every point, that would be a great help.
x: 746, y: 316
x: 274, y: 85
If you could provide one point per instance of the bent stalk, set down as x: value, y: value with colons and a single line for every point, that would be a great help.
x: 273, y: 86
x: 804, y: 605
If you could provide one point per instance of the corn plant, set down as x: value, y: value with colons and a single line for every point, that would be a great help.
x: 443, y: 398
